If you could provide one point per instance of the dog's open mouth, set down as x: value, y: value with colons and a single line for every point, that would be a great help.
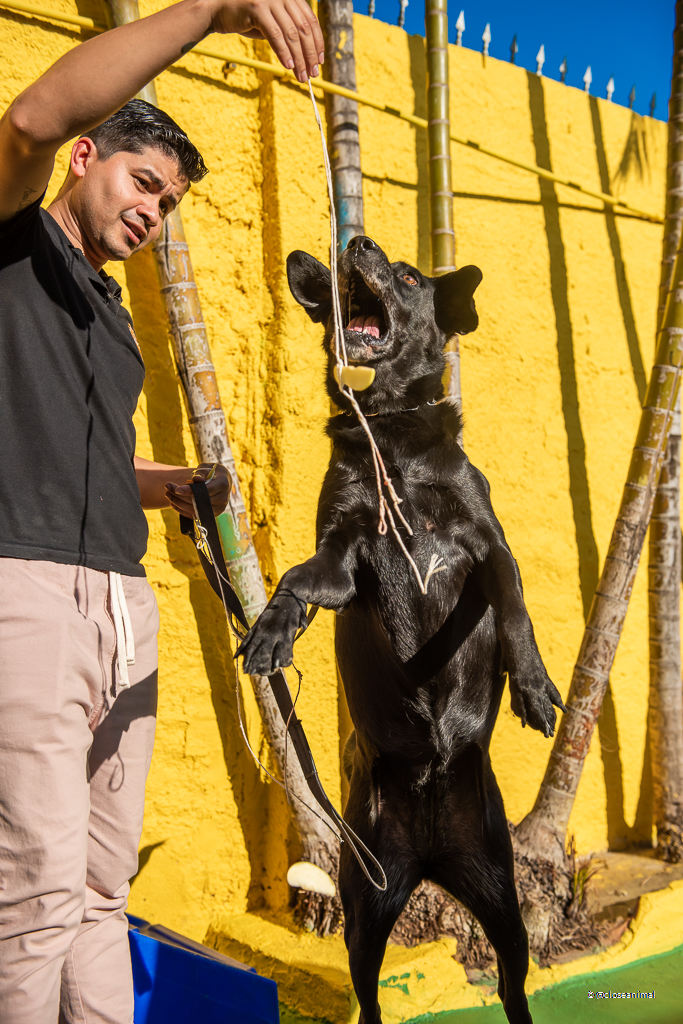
x: 363, y: 312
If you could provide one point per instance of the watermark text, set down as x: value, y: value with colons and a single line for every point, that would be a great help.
x: 609, y: 994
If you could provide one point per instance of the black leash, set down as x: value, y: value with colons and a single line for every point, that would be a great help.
x: 207, y: 541
x: 210, y: 551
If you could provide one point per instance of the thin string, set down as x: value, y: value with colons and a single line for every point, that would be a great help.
x: 287, y: 725
x: 259, y: 762
x: 381, y: 475
x: 204, y: 545
x: 347, y: 834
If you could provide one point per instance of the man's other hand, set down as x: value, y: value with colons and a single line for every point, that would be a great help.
x: 290, y: 26
x: 218, y: 484
x: 162, y: 486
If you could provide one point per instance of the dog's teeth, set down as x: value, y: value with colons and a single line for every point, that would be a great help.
x: 365, y: 325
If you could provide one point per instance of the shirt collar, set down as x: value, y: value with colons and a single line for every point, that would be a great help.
x: 105, y: 284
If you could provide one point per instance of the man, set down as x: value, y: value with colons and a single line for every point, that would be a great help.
x: 78, y: 621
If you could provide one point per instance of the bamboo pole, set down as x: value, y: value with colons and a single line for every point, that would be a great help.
x: 368, y: 101
x: 665, y: 706
x: 673, y: 210
x: 542, y: 832
x: 209, y: 430
x: 336, y: 19
x: 200, y: 386
x: 441, y: 233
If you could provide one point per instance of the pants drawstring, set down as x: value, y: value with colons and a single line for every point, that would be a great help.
x: 125, y: 641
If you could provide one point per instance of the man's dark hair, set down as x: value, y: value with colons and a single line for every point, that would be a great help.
x: 139, y: 124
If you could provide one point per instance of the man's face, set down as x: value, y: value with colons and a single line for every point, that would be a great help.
x: 121, y: 203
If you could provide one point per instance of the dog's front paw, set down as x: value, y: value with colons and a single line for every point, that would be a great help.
x: 532, y: 699
x: 269, y: 643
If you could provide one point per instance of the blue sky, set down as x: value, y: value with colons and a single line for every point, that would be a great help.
x: 628, y: 40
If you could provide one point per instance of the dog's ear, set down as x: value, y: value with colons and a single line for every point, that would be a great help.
x: 454, y: 308
x: 310, y: 282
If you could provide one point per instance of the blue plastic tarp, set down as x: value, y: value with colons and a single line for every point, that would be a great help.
x: 177, y: 986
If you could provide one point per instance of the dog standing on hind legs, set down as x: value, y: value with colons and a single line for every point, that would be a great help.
x: 423, y: 672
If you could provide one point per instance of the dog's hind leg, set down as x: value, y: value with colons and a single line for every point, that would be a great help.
x: 479, y: 872
x: 503, y: 926
x: 370, y: 914
x: 369, y: 917
x: 489, y: 893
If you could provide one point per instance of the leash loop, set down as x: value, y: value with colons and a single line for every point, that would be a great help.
x: 213, y: 562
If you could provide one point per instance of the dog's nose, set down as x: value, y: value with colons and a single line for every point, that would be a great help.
x: 362, y: 242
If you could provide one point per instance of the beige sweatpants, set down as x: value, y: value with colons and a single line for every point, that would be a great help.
x: 75, y: 750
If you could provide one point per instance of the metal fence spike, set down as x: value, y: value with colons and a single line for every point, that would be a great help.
x: 514, y: 49
x: 540, y: 60
x: 459, y: 28
x: 587, y: 79
x: 486, y: 39
x: 402, y: 13
x: 563, y: 69
x: 632, y: 97
x: 610, y: 90
x: 653, y: 104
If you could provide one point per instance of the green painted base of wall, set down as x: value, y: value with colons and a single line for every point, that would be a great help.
x: 568, y: 1002
x: 289, y: 1016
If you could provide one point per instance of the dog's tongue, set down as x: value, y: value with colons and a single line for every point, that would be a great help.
x: 365, y: 325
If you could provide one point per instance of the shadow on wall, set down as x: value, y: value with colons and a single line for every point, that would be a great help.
x: 635, y: 159
x: 69, y: 32
x: 98, y: 10
x: 576, y: 446
x: 617, y: 255
x: 144, y: 857
x: 619, y: 833
x: 162, y: 390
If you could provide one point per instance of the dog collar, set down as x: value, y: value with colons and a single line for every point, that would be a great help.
x: 395, y: 412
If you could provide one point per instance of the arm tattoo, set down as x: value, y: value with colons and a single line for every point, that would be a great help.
x: 189, y: 46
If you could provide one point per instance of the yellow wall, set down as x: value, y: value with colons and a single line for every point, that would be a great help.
x: 551, y: 385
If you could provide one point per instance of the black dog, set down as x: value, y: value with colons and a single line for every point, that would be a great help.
x: 423, y: 674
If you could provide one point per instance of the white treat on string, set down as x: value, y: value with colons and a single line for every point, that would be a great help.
x: 349, y: 380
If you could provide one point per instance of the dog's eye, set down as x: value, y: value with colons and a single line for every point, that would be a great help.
x: 409, y: 279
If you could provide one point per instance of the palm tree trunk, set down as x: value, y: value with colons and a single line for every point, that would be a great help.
x: 209, y: 430
x: 665, y: 714
x: 336, y: 18
x: 542, y: 832
x: 442, y: 234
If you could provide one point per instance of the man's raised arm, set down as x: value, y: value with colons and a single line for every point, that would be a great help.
x: 95, y: 79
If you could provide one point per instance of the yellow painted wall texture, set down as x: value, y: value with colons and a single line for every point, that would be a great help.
x: 551, y: 388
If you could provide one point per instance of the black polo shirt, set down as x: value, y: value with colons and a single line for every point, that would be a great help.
x: 70, y: 377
